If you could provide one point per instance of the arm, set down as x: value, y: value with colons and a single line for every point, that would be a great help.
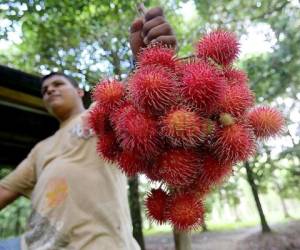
x: 19, y: 182
x: 7, y: 197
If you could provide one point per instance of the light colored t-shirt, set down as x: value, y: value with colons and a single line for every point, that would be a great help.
x: 79, y: 201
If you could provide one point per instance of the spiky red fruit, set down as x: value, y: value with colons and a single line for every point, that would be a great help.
x: 157, y: 54
x: 212, y: 172
x: 152, y: 172
x: 183, y: 127
x: 235, y: 76
x: 98, y: 120
x: 202, y: 85
x: 131, y: 163
x: 136, y: 131
x: 107, y: 146
x: 109, y: 93
x: 265, y: 121
x: 178, y: 167
x: 185, y: 211
x: 156, y: 205
x: 153, y: 89
x: 233, y: 143
x: 221, y: 46
x: 236, y: 100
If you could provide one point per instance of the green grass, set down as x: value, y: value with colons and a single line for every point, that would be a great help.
x: 157, y: 230
x: 220, y: 227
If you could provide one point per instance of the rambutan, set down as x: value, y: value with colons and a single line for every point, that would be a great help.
x: 235, y: 76
x: 98, y: 120
x: 157, y: 54
x: 265, y: 121
x: 212, y: 172
x: 185, y: 211
x: 153, y: 89
x: 221, y: 46
x: 233, y: 143
x: 107, y: 146
x: 137, y: 132
x: 236, y: 100
x: 182, y: 127
x: 109, y: 93
x: 178, y: 167
x: 132, y: 163
x: 156, y: 205
x: 202, y: 85
x: 152, y: 172
x: 208, y: 127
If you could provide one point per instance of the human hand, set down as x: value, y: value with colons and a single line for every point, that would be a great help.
x: 150, y: 29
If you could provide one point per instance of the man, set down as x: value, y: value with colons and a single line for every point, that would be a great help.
x: 78, y: 200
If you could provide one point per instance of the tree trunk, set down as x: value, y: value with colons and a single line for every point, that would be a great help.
x: 204, y: 227
x: 135, y: 210
x: 264, y: 224
x: 18, y: 218
x: 237, y: 217
x: 282, y: 201
x: 182, y: 240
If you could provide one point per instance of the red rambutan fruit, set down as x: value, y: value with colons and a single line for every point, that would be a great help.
x: 208, y: 127
x: 178, y: 167
x: 202, y: 85
x: 221, y: 46
x: 235, y: 76
x: 182, y: 127
x: 153, y: 89
x: 233, y: 143
x: 131, y: 163
x: 98, y: 120
x: 152, y: 172
x: 185, y: 211
x: 107, y: 146
x: 265, y: 121
x: 156, y: 205
x: 212, y: 172
x: 236, y: 100
x: 157, y: 54
x: 137, y: 132
x: 109, y: 93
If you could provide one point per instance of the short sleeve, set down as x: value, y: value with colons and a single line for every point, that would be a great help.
x: 23, y: 178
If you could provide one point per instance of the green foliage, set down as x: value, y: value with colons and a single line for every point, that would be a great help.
x: 14, y: 217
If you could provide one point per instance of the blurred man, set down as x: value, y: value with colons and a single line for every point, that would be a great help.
x: 78, y: 200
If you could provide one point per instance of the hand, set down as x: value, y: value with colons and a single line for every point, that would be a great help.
x: 154, y: 28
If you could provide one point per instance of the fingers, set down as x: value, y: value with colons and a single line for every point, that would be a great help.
x: 168, y: 40
x: 154, y: 12
x: 137, y: 25
x: 160, y: 30
x: 152, y: 23
x: 136, y: 40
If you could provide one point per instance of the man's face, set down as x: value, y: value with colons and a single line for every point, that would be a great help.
x: 59, y: 95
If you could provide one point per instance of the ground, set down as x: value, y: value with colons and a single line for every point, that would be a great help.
x: 284, y: 237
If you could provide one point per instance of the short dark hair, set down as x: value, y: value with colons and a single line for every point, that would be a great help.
x: 70, y: 78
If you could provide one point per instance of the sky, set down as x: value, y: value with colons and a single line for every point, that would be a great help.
x: 255, y: 35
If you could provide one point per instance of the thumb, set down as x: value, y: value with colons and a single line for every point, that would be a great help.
x: 136, y: 38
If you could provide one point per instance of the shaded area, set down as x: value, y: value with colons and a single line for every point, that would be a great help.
x: 24, y: 120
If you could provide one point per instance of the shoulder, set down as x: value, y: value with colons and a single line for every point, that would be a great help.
x: 38, y: 146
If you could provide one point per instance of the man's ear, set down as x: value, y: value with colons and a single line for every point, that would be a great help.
x: 80, y: 92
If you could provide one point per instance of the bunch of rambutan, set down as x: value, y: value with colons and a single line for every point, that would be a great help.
x: 182, y: 123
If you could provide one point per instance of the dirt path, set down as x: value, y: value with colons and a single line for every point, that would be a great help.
x: 235, y: 240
